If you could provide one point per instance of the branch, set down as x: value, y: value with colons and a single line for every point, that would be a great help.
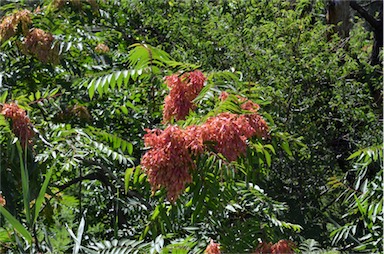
x: 105, y: 170
x: 103, y: 178
x: 91, y: 176
x: 46, y: 98
x: 368, y: 17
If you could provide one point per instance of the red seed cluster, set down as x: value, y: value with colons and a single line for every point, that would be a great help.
x: 39, y: 44
x: 169, y: 160
x: 10, y: 24
x: 21, y: 125
x: 77, y: 4
x: 212, y: 248
x: 183, y: 90
x: 229, y: 132
x: 81, y: 112
x: 195, y: 84
x: 2, y: 201
x: 101, y: 48
x: 263, y: 248
x: 226, y: 133
x: 223, y: 96
x: 281, y: 247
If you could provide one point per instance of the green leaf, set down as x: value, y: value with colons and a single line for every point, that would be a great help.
x: 3, y: 97
x: 99, y: 86
x: 285, y: 146
x: 80, y: 232
x: 127, y: 178
x: 129, y: 148
x: 40, y: 197
x: 107, y: 82
x: 156, y: 212
x: 129, y: 104
x: 164, y: 216
x: 24, y: 182
x: 355, y: 154
x: 127, y: 76
x: 113, y: 79
x: 271, y: 148
x: 136, y: 175
x: 190, y: 202
x: 230, y: 208
x: 145, y: 232
x: 91, y: 88
x: 16, y: 224
x: 119, y: 80
x: 267, y: 157
x: 359, y: 205
x: 124, y: 109
x: 38, y: 95
x: 269, y: 118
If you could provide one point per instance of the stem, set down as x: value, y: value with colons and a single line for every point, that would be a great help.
x: 368, y: 17
x: 116, y: 221
x: 80, y: 183
x: 25, y: 182
x: 36, y: 239
x: 0, y: 180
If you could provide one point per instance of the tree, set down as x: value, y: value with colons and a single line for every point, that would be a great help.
x: 339, y: 12
x: 263, y: 109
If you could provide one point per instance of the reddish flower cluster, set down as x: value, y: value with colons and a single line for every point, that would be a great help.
x: 21, y: 125
x: 39, y: 44
x: 81, y: 112
x: 168, y: 162
x: 58, y: 4
x: 76, y: 112
x: 169, y: 159
x: 183, y: 90
x: 77, y: 4
x: 264, y: 248
x: 212, y: 248
x: 2, y: 200
x: 281, y: 247
x: 223, y: 96
x: 229, y: 132
x: 10, y: 24
x: 101, y: 48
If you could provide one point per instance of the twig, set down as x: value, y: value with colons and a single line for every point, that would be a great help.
x: 368, y: 17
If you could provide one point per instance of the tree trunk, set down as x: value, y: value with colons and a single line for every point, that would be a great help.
x: 338, y: 14
x: 377, y: 28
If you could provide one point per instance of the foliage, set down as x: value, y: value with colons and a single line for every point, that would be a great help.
x: 364, y: 200
x: 90, y: 77
x: 311, y: 246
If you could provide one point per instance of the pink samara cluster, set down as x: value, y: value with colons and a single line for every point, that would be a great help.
x: 183, y: 90
x: 171, y: 153
x: 21, y: 124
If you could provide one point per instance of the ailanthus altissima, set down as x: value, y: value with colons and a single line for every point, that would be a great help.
x: 212, y: 248
x: 183, y: 89
x: 21, y: 124
x: 40, y: 44
x: 9, y: 24
x: 170, y: 158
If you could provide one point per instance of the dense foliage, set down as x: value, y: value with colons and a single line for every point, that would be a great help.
x: 187, y: 126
